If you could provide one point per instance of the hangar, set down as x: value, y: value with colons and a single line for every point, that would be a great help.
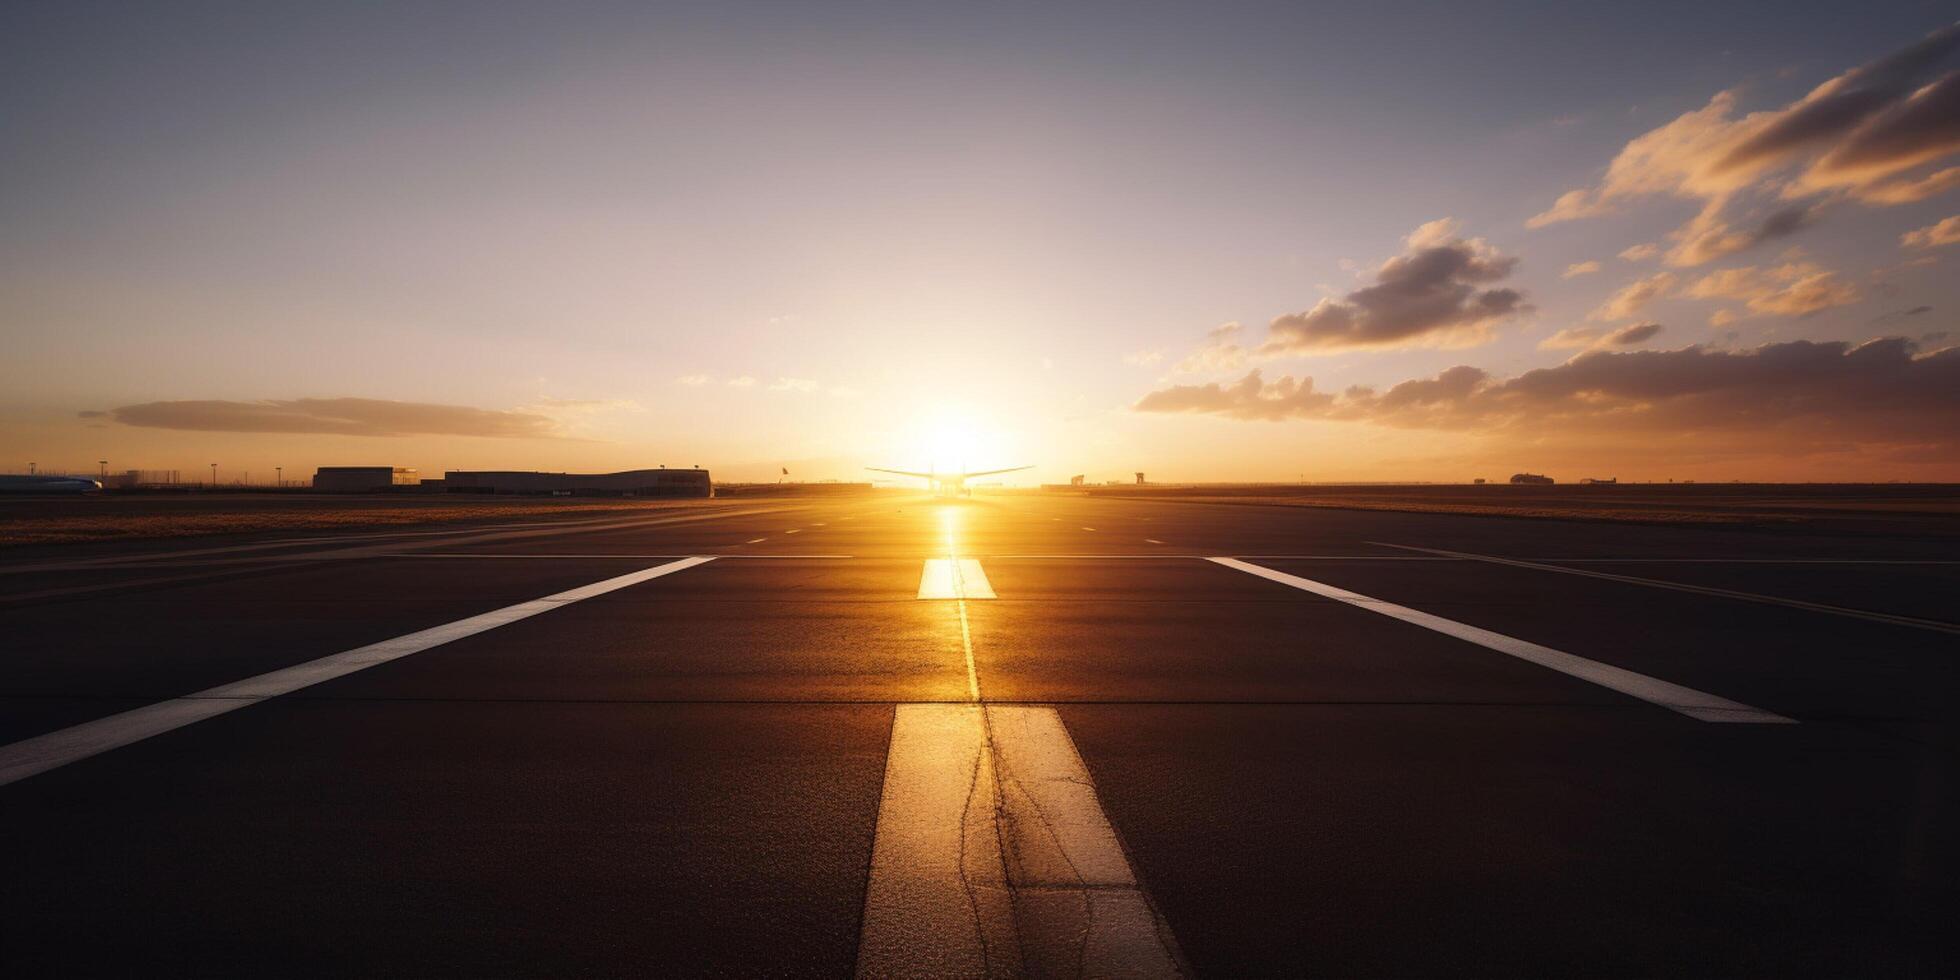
x: 630, y: 483
x: 363, y: 479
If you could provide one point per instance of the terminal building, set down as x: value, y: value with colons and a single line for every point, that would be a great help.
x: 631, y: 483
x: 363, y: 479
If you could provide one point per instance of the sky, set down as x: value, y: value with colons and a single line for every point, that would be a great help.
x: 1382, y: 241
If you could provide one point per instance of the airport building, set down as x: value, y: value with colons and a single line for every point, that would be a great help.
x: 363, y: 479
x: 1531, y: 479
x: 631, y: 483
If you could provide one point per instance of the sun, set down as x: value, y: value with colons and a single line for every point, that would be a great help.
x: 950, y: 445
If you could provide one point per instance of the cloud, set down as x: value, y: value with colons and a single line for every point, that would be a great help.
x: 1640, y: 253
x: 1595, y: 338
x: 1143, y: 358
x: 1579, y: 269
x: 1723, y: 317
x: 1945, y: 232
x: 1795, y: 289
x: 1857, y: 135
x: 1248, y: 398
x: 1432, y: 295
x: 1897, y: 315
x: 793, y: 384
x: 1633, y: 297
x: 1221, y: 351
x: 1908, y: 191
x: 339, y: 416
x: 1708, y: 238
x: 693, y: 380
x: 744, y: 381
x: 1808, y: 394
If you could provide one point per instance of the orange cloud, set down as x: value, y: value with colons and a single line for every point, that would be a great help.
x: 1945, y: 232
x: 1799, y: 396
x: 1633, y: 297
x: 1589, y: 338
x: 1858, y: 135
x: 1795, y: 289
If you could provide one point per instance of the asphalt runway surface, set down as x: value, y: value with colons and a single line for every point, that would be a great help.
x: 1033, y: 735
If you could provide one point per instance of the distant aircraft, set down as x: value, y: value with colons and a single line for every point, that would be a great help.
x: 949, y: 484
x: 47, y: 484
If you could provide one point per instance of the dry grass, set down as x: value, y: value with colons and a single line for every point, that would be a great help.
x: 1553, y: 511
x: 1866, y: 508
x: 244, y: 517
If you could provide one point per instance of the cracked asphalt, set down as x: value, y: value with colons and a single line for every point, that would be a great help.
x: 684, y: 776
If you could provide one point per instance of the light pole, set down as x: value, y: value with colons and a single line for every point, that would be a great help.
x: 105, y: 470
x: 214, y: 476
x: 279, y: 474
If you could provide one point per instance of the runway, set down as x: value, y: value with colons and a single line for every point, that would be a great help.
x: 1015, y: 735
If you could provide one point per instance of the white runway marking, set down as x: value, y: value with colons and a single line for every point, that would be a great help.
x: 1088, y: 529
x: 993, y: 857
x: 1151, y: 541
x: 1690, y: 702
x: 757, y: 540
x: 1876, y: 617
x: 796, y: 530
x: 954, y: 578
x: 59, y: 748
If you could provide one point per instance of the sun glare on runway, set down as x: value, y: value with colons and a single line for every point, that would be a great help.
x: 949, y: 529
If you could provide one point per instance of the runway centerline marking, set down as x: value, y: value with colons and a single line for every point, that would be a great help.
x: 58, y: 748
x: 991, y: 855
x: 1695, y: 704
x: 1769, y: 600
x: 1151, y: 541
x: 954, y: 578
x: 757, y: 540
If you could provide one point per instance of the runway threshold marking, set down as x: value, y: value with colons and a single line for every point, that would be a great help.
x: 1688, y: 701
x: 1914, y: 622
x: 954, y: 578
x: 41, y: 753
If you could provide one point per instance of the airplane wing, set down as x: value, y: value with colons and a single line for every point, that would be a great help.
x: 1011, y: 469
x: 922, y: 476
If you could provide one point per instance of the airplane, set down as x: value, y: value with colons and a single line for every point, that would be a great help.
x: 949, y: 484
